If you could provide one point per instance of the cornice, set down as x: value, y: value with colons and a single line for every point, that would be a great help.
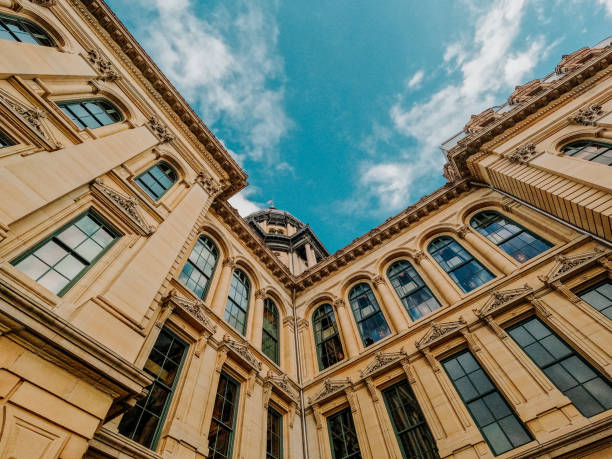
x: 146, y: 72
x: 531, y: 110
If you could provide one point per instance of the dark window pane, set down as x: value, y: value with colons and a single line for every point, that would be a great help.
x: 157, y: 180
x: 198, y: 269
x: 370, y: 320
x: 327, y: 339
x: 415, y: 295
x: 600, y: 297
x: 5, y: 141
x: 590, y: 150
x: 343, y: 435
x: 221, y: 433
x: 90, y: 113
x: 274, y: 439
x: 18, y: 29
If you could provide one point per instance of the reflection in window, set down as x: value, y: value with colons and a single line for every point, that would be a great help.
x: 14, y: 28
x: 498, y: 424
x: 513, y: 239
x: 600, y: 297
x: 274, y: 438
x: 143, y: 422
x: 415, y: 295
x: 200, y: 266
x: 370, y: 319
x: 413, y: 434
x: 5, y: 141
x: 157, y: 180
x: 574, y: 377
x: 598, y: 152
x: 223, y: 424
x: 327, y: 338
x: 467, y: 272
x: 62, y: 259
x: 92, y: 113
x: 237, y: 306
x: 343, y: 435
x: 271, y: 331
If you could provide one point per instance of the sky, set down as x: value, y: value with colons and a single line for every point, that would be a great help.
x: 336, y: 109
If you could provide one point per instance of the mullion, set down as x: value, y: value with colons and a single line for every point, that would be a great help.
x: 92, y: 114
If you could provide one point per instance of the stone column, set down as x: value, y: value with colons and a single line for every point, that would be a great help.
x: 434, y: 276
x: 492, y: 255
x: 257, y: 319
x: 310, y: 256
x: 222, y: 290
x: 287, y: 345
x: 395, y: 313
x: 352, y: 348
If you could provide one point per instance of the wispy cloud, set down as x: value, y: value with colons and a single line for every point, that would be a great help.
x: 483, y: 68
x: 607, y: 5
x: 416, y: 80
x: 243, y: 204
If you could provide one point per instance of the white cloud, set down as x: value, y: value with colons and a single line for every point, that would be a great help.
x: 488, y: 65
x: 226, y: 64
x: 608, y: 5
x: 416, y: 80
x: 243, y: 204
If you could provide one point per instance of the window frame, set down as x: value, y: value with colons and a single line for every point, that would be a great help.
x: 104, y: 223
x: 280, y: 433
x: 164, y: 413
x: 5, y: 140
x: 594, y: 287
x: 248, y: 287
x: 81, y: 126
x: 489, y: 220
x: 29, y: 24
x: 408, y: 265
x: 232, y: 380
x: 328, y: 419
x: 265, y: 333
x: 369, y: 292
x: 149, y: 192
x: 212, y: 273
x: 319, y: 345
x: 564, y: 149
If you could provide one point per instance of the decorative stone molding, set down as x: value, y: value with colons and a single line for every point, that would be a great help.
x: 330, y: 387
x: 160, y: 130
x: 126, y: 204
x: 541, y: 308
x: 260, y: 294
x: 570, y: 62
x: 193, y: 310
x: 242, y: 352
x: 450, y: 173
x: 210, y: 185
x: 524, y: 154
x: 480, y: 121
x: 229, y: 261
x: 524, y: 92
x: 46, y: 3
x: 438, y: 331
x: 500, y: 332
x: 103, y: 65
x: 381, y: 361
x: 418, y: 257
x: 501, y: 299
x: 283, y: 386
x: 565, y: 265
x: 339, y: 303
x: 378, y: 279
x: 462, y: 231
x: 32, y: 117
x: 587, y: 116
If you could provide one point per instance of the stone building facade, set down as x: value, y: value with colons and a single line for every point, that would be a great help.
x: 141, y: 316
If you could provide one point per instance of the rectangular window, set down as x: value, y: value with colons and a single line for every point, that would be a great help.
x: 274, y: 442
x: 143, y: 422
x: 5, y: 141
x: 600, y: 297
x: 59, y: 261
x: 343, y: 436
x: 223, y: 425
x: 411, y: 429
x: 498, y: 424
x: 580, y: 382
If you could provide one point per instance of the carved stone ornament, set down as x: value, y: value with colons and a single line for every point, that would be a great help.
x: 587, y: 116
x: 210, y: 185
x: 480, y: 121
x: 462, y: 231
x: 339, y: 303
x: 330, y: 387
x: 382, y: 360
x: 193, y: 309
x: 450, y: 173
x: 229, y: 262
x: 46, y: 3
x: 524, y: 154
x: 160, y: 130
x: 438, y: 331
x: 32, y: 117
x: 127, y: 204
x: 565, y: 265
x: 242, y: 351
x: 282, y: 384
x: 526, y: 91
x: 500, y: 299
x: 570, y: 62
x: 104, y: 66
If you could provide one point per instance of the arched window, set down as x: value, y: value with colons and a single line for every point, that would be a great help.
x: 598, y: 152
x: 14, y: 28
x: 467, y: 272
x: 200, y: 266
x: 91, y: 113
x: 513, y: 239
x: 158, y: 179
x: 237, y: 306
x: 327, y: 339
x: 415, y: 295
x: 270, y: 339
x: 5, y: 141
x: 370, y: 320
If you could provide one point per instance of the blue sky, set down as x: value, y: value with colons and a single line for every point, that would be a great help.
x: 336, y: 109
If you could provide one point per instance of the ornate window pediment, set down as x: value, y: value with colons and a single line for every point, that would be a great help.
x: 283, y: 385
x: 330, y: 387
x: 565, y: 265
x: 501, y: 299
x: 439, y: 331
x: 192, y: 311
x: 381, y: 361
x: 242, y: 352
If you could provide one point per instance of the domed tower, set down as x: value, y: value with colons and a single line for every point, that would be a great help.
x: 292, y: 241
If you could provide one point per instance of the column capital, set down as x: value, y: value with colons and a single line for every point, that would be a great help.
x: 419, y: 257
x: 260, y: 294
x: 229, y: 262
x: 339, y: 303
x: 378, y: 279
x: 462, y: 231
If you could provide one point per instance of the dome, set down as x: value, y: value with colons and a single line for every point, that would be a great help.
x: 276, y: 217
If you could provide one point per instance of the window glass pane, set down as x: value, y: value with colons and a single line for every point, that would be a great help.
x: 600, y: 297
x: 198, y: 270
x: 270, y: 335
x: 274, y: 440
x: 415, y: 295
x: 589, y: 150
x: 221, y: 433
x: 236, y: 308
x: 589, y: 391
x: 91, y: 113
x: 18, y: 29
x: 497, y: 422
x: 343, y: 436
x: 327, y: 340
x: 4, y: 139
x: 142, y: 423
x: 370, y: 320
